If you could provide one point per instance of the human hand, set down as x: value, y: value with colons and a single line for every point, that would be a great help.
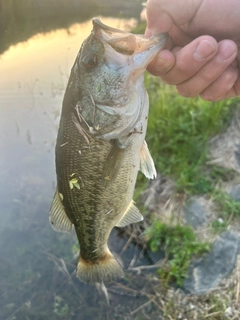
x: 196, y: 63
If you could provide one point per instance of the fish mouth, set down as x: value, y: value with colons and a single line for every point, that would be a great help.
x: 142, y: 49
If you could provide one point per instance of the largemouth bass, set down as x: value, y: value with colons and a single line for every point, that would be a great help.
x: 100, y: 145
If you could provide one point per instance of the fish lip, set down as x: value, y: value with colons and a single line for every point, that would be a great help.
x: 125, y: 42
x: 97, y: 24
x: 146, y: 51
x: 157, y: 41
x: 162, y: 37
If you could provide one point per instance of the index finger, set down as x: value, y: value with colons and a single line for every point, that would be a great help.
x: 188, y: 60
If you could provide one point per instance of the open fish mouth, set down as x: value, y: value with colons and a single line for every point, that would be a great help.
x: 142, y: 49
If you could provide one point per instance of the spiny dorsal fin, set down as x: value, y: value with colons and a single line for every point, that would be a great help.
x: 146, y: 163
x: 131, y: 215
x: 58, y: 217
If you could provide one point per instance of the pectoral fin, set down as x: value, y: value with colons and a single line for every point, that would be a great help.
x: 131, y: 215
x: 113, y: 162
x: 146, y: 163
x: 58, y: 217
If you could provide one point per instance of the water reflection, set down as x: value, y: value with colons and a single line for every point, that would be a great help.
x: 37, y: 265
x: 21, y: 19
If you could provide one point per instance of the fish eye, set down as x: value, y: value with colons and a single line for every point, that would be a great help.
x: 90, y: 61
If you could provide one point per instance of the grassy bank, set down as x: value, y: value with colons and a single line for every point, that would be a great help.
x: 178, y: 133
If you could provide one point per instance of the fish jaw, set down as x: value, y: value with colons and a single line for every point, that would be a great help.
x: 146, y: 51
x: 136, y: 51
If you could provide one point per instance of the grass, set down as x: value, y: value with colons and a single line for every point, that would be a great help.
x: 178, y: 133
x: 228, y: 209
x: 180, y: 245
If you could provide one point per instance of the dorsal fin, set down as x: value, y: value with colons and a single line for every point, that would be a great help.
x: 131, y: 215
x: 146, y: 162
x: 58, y: 217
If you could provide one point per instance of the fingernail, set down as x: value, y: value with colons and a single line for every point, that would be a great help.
x: 148, y: 33
x: 203, y: 50
x: 226, y: 50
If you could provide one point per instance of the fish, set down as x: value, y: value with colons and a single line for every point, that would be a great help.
x: 101, y: 145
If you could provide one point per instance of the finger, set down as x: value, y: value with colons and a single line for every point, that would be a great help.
x: 222, y: 86
x: 188, y: 60
x: 157, y: 19
x: 179, y: 37
x: 235, y: 90
x: 227, y: 51
x: 161, y: 14
x: 162, y: 63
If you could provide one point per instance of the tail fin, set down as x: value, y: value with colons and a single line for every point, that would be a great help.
x: 104, y: 270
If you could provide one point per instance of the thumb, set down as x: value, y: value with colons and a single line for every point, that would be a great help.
x: 158, y: 20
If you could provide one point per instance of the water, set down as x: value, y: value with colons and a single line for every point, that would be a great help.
x: 37, y: 279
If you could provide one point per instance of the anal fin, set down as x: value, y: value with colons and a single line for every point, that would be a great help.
x: 146, y: 163
x: 131, y: 215
x: 58, y: 217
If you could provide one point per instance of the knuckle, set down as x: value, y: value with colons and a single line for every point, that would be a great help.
x: 214, y: 92
x: 206, y: 75
x: 207, y: 96
x: 186, y: 91
x: 184, y: 68
x: 168, y: 80
x: 229, y: 76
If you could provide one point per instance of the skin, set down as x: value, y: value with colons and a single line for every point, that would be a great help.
x: 202, y: 56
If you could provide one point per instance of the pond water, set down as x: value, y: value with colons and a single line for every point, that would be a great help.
x: 37, y: 279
